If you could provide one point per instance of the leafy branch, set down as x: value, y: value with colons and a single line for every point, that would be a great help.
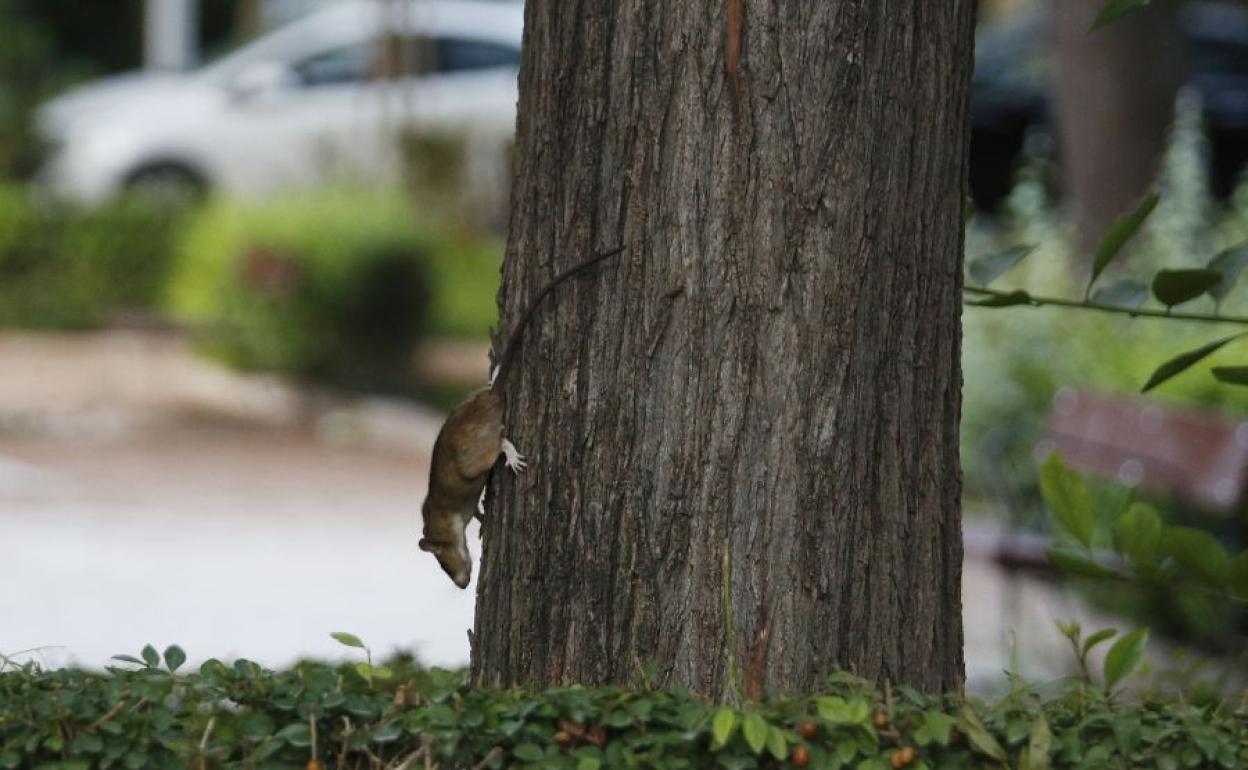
x: 1003, y: 298
x: 1172, y: 287
x: 1147, y: 550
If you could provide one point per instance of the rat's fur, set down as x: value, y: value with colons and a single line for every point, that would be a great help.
x: 467, y: 447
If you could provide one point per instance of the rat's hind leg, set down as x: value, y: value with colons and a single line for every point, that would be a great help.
x: 514, y: 460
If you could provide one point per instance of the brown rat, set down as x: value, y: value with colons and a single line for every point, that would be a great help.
x: 467, y: 448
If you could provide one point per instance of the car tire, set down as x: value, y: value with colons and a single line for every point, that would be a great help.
x: 166, y: 182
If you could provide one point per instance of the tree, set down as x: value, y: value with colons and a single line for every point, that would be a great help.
x: 1115, y: 91
x: 770, y: 370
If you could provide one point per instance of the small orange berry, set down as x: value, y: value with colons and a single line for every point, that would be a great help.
x: 801, y: 756
x: 808, y: 729
x: 908, y: 754
x: 563, y: 738
x: 314, y: 765
x: 901, y: 757
x: 880, y: 719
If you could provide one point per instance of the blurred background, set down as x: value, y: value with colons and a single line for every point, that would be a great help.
x: 249, y: 253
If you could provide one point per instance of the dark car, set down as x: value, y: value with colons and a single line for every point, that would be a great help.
x: 1010, y: 92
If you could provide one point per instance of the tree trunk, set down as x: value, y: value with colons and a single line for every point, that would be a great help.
x: 1115, y: 92
x: 771, y: 366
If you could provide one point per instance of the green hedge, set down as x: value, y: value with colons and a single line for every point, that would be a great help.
x: 66, y: 267
x: 150, y: 714
x: 334, y: 286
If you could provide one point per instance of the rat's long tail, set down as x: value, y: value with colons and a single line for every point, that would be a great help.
x: 513, y: 341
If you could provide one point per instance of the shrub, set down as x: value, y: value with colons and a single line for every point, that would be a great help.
x: 66, y: 267
x: 332, y: 286
x: 149, y: 714
x: 26, y: 78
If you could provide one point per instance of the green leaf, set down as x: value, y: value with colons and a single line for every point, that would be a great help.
x: 1125, y: 294
x: 174, y: 657
x: 755, y: 729
x: 1230, y: 263
x: 387, y: 733
x: 723, y: 724
x: 1076, y: 563
x: 1039, y: 746
x: 833, y: 709
x: 1097, y: 638
x: 350, y: 640
x: 1068, y: 497
x: 1184, y: 361
x: 1121, y: 231
x: 150, y: 657
x: 1115, y: 9
x: 1124, y: 656
x: 845, y: 752
x: 527, y: 752
x: 1231, y: 375
x: 1174, y: 287
x: 777, y: 744
x: 859, y: 711
x: 981, y: 740
x: 1239, y: 575
x: 940, y: 725
x: 297, y: 734
x: 9, y: 760
x: 988, y: 268
x: 1018, y: 297
x: 256, y: 725
x: 128, y: 659
x: 1199, y: 554
x: 1137, y: 535
x: 1070, y: 630
x: 588, y: 763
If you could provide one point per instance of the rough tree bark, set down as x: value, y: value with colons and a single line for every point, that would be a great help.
x: 1115, y: 90
x: 771, y: 366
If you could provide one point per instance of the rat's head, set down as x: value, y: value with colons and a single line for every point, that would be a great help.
x: 451, y: 549
x: 454, y: 557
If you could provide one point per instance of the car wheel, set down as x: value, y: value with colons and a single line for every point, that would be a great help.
x: 166, y: 183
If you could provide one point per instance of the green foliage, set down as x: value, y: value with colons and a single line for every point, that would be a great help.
x: 1069, y: 499
x: 1124, y: 655
x: 1228, y: 263
x: 150, y: 714
x: 1174, y: 287
x: 66, y: 267
x: 1139, y: 539
x: 1125, y: 294
x: 26, y: 79
x: 1016, y: 362
x: 1188, y: 565
x: 988, y: 268
x: 1185, y: 361
x: 1121, y: 231
x: 335, y: 286
x: 1115, y: 9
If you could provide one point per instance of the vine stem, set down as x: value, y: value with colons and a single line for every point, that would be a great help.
x: 1035, y: 301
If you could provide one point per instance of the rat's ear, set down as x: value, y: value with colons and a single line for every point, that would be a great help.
x: 426, y: 545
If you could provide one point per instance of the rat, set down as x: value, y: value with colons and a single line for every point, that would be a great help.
x: 468, y: 445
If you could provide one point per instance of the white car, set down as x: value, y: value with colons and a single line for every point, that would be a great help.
x: 321, y: 99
